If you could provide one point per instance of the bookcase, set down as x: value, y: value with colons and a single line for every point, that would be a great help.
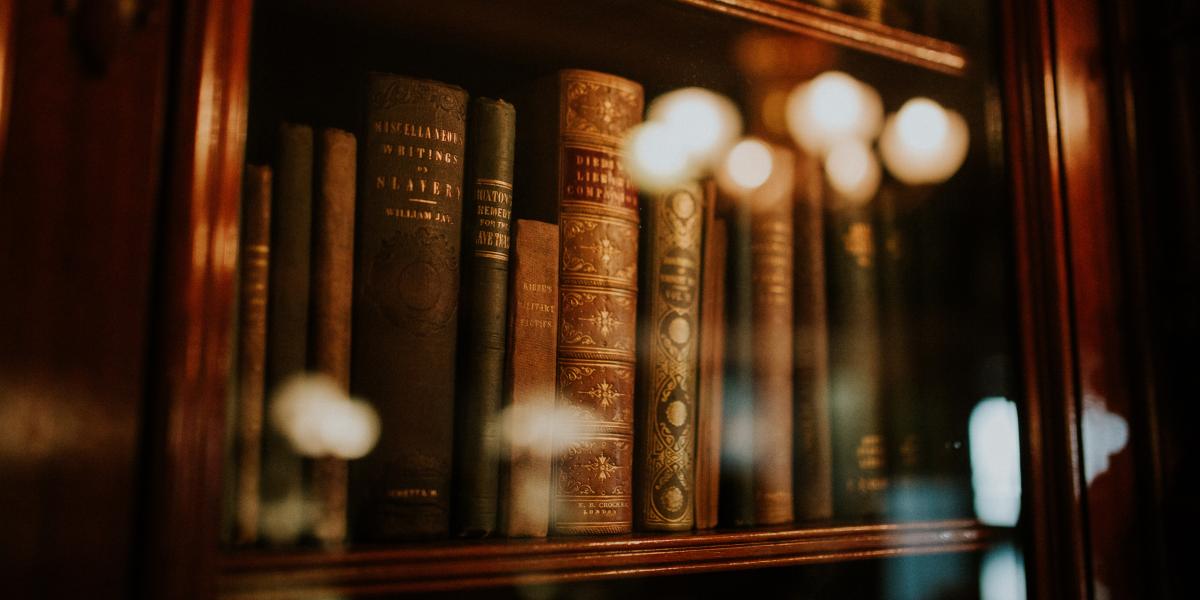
x: 1034, y: 217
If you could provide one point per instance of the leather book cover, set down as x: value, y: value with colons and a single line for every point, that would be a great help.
x: 813, y: 466
x: 252, y: 343
x: 488, y: 214
x: 772, y: 240
x: 287, y: 318
x: 575, y: 177
x: 669, y: 313
x: 712, y: 368
x: 529, y: 380
x: 859, y: 450
x: 406, y: 283
x: 332, y: 288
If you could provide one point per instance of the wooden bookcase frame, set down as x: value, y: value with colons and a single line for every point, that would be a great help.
x: 1063, y: 297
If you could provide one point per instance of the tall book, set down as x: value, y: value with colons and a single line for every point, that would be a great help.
x: 771, y: 246
x: 406, y: 304
x: 857, y: 429
x: 252, y: 340
x: 673, y: 229
x: 813, y: 466
x: 287, y: 323
x: 735, y: 507
x: 529, y: 380
x: 576, y: 178
x: 484, y: 296
x: 330, y: 323
x: 712, y: 367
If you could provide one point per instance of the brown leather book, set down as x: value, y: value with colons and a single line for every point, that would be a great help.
x: 287, y: 325
x: 252, y: 344
x: 813, y: 478
x: 771, y: 246
x: 332, y: 287
x: 712, y: 369
x: 585, y: 188
x: 673, y: 229
x: 406, y: 304
x: 529, y: 380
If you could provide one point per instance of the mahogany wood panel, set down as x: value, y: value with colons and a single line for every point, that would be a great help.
x: 191, y: 344
x: 6, y: 59
x: 463, y: 565
x: 78, y: 212
x: 1052, y: 467
x: 846, y: 30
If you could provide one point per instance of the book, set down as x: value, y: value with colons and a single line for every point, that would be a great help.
x: 405, y: 304
x: 287, y: 324
x: 735, y: 507
x: 813, y: 464
x: 484, y: 307
x: 712, y: 368
x: 856, y: 420
x: 575, y: 177
x: 669, y: 313
x: 251, y: 352
x: 529, y: 380
x: 330, y: 323
x: 771, y: 247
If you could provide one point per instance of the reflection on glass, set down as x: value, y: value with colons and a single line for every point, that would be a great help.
x: 748, y: 164
x: 704, y: 122
x: 923, y: 142
x: 995, y: 462
x: 656, y: 156
x: 1002, y: 574
x: 319, y: 419
x: 831, y: 107
x: 852, y: 170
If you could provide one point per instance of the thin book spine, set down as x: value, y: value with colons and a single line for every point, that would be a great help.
x: 406, y: 284
x: 529, y: 381
x: 813, y: 452
x: 667, y: 363
x: 488, y: 210
x: 287, y: 325
x: 332, y: 279
x: 771, y: 245
x: 712, y: 366
x: 252, y: 340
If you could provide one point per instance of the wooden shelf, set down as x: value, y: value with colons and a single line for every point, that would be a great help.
x: 846, y: 30
x: 473, y: 564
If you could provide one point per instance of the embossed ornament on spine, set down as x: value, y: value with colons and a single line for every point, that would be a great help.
x: 667, y: 384
x: 598, y: 224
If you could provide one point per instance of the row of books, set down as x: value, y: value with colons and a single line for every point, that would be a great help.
x: 548, y: 352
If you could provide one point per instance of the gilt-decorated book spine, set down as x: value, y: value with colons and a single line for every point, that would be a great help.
x: 665, y: 476
x: 712, y: 365
x: 813, y: 453
x: 252, y: 341
x: 598, y: 229
x: 859, y: 451
x: 406, y: 304
x: 332, y: 289
x: 488, y: 216
x: 771, y: 246
x: 287, y: 316
x: 529, y: 380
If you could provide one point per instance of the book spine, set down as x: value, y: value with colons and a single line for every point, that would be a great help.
x: 485, y: 294
x: 598, y: 230
x: 406, y: 304
x: 771, y: 246
x: 813, y: 457
x: 667, y: 362
x: 712, y: 366
x: 332, y: 279
x: 859, y: 452
x: 736, y: 502
x: 252, y: 341
x: 287, y: 319
x: 529, y: 380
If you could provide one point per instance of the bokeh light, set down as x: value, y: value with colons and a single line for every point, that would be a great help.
x: 656, y: 157
x: 704, y: 122
x: 319, y: 419
x: 923, y: 142
x: 831, y: 107
x: 748, y: 164
x: 852, y: 171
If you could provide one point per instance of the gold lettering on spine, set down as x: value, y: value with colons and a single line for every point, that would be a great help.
x: 493, y: 219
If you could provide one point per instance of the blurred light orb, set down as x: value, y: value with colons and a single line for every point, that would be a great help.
x: 749, y: 163
x: 319, y: 419
x: 923, y: 142
x: 831, y: 107
x: 656, y: 155
x: 704, y: 122
x: 852, y: 170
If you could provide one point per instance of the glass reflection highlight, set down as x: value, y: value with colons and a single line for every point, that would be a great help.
x: 923, y: 142
x: 831, y: 107
x: 995, y: 461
